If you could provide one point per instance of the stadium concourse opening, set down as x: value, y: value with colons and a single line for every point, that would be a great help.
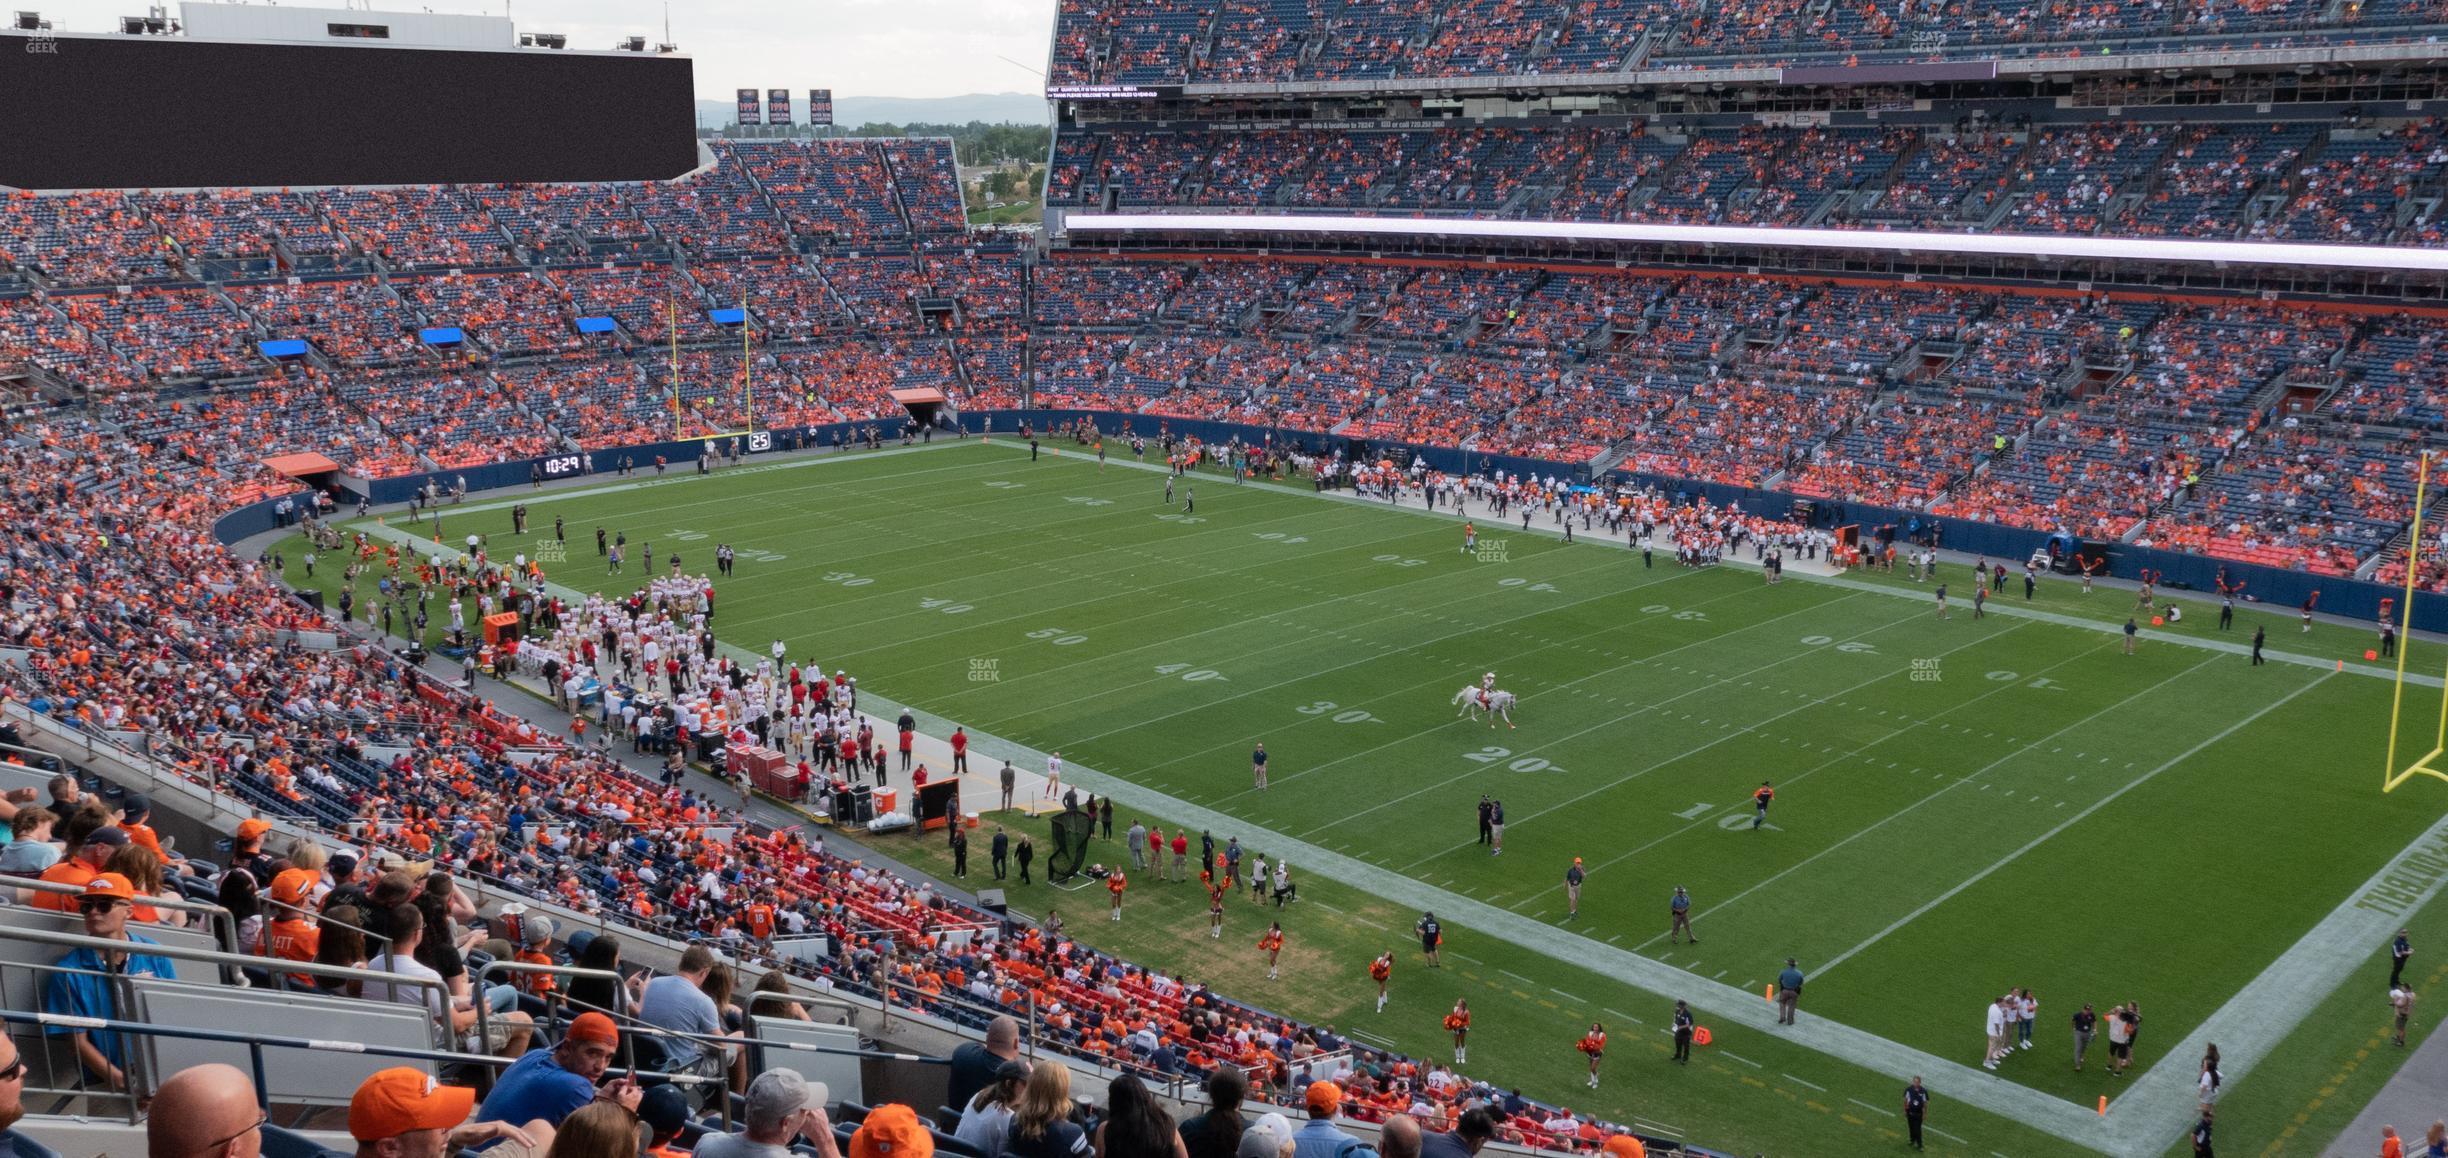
x: 513, y: 594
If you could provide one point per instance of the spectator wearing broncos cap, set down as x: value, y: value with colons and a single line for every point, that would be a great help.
x: 1319, y: 1137
x: 91, y: 842
x: 85, y: 983
x: 548, y: 1085
x: 891, y: 1131
x: 401, y: 1113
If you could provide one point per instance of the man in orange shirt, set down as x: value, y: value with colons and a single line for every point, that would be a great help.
x: 91, y: 840
x: 761, y: 918
x: 134, y: 810
x: 536, y: 933
x: 1624, y: 1146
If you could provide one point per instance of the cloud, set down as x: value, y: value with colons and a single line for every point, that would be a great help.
x: 905, y: 48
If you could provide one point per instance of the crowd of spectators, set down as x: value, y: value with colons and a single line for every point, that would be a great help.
x: 401, y: 769
x: 2367, y: 184
x: 354, y: 321
x: 510, y: 314
x: 1173, y: 42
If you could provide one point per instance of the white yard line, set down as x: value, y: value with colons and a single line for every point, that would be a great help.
x: 2153, y: 1109
x: 2075, y: 819
x: 2141, y: 700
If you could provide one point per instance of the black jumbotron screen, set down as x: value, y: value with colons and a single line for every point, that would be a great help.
x: 87, y: 112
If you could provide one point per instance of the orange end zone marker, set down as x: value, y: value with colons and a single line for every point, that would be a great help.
x: 2103, y: 1105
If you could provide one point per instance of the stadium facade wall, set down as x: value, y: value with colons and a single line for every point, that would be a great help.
x: 182, y: 113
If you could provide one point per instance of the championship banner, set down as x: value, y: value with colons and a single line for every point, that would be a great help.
x: 748, y: 114
x: 777, y: 106
x: 820, y: 106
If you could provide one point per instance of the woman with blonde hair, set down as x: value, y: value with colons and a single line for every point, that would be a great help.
x: 1041, y: 1125
x: 599, y: 1129
x: 301, y: 884
x: 144, y: 870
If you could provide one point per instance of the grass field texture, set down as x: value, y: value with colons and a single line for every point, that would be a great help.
x: 1962, y: 805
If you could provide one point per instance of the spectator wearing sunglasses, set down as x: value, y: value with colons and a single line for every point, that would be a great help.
x: 82, y: 986
x: 12, y: 1106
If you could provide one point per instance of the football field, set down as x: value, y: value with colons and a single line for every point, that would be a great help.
x: 1962, y: 805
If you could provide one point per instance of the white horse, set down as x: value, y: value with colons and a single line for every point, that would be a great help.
x: 1499, y: 703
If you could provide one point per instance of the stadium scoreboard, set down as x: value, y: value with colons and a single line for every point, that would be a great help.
x: 179, y: 112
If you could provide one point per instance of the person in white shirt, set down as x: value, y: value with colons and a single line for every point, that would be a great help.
x: 1997, y: 1033
x: 405, y: 927
x: 1053, y: 782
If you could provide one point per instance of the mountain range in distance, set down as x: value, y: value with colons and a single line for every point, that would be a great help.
x: 1019, y: 108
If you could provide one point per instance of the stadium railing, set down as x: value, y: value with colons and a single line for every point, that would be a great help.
x: 22, y: 976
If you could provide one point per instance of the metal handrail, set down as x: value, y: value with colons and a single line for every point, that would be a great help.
x: 256, y: 1043
x: 159, y: 902
x: 321, y: 918
x: 218, y: 957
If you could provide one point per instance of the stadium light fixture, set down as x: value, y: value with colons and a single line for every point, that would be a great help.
x: 2029, y: 245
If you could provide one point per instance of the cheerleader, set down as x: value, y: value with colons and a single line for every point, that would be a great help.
x: 1381, y: 970
x: 1457, y: 1023
x: 1215, y: 903
x: 1593, y: 1043
x: 1271, y: 944
x: 1115, y: 882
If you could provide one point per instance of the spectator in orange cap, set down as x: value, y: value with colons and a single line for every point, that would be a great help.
x: 85, y: 983
x: 1319, y: 1137
x: 402, y: 1113
x: 892, y: 1132
x: 548, y: 1085
x: 246, y: 849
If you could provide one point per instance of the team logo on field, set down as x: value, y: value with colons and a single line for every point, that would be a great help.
x: 985, y: 671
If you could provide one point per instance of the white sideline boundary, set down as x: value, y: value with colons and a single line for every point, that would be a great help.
x: 2154, y: 1110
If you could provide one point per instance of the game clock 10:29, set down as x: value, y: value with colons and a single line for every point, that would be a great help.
x: 561, y: 465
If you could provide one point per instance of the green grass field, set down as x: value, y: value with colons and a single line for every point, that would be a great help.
x: 1963, y: 805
